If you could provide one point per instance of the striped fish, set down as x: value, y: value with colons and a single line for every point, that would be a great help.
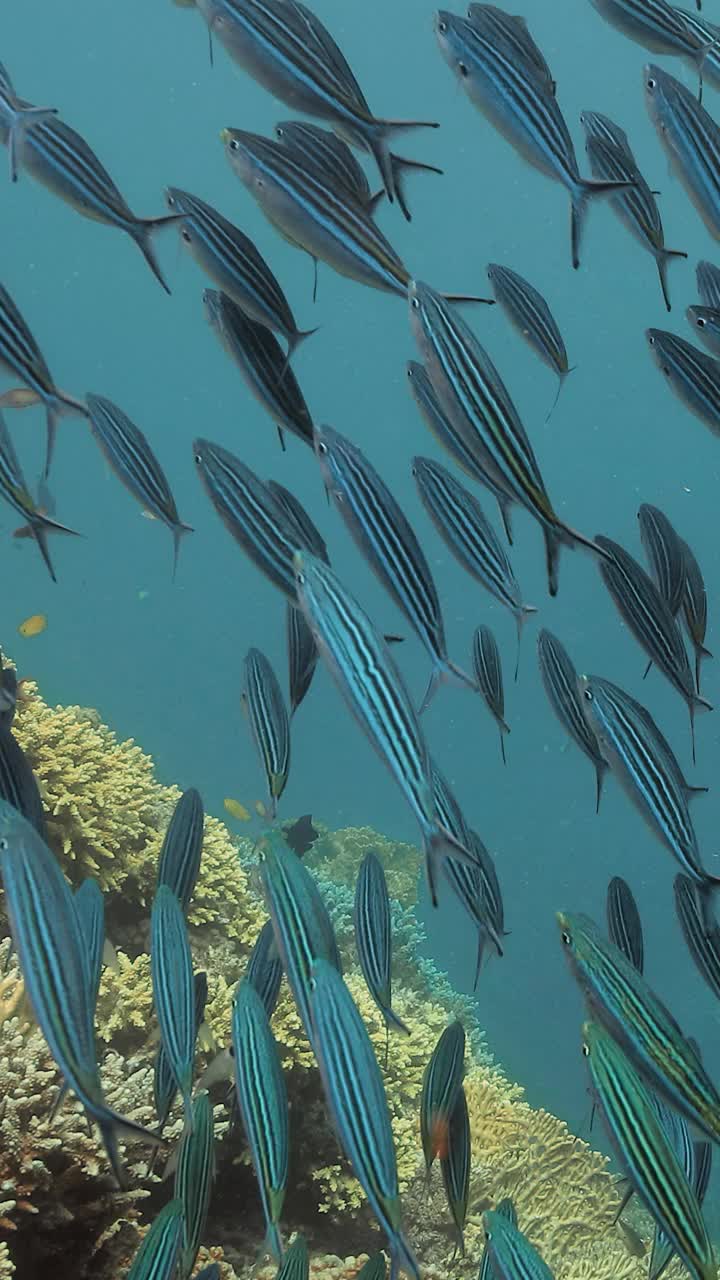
x: 15, y: 492
x: 372, y: 920
x: 296, y: 1263
x: 286, y: 48
x: 442, y: 1081
x: 505, y: 1209
x: 677, y: 1133
x: 464, y: 527
x: 664, y: 551
x: 510, y: 1254
x: 361, y: 666
x: 159, y: 1254
x: 708, y: 283
x: 488, y: 673
x: 455, y: 1167
x: 386, y: 539
x: 128, y: 453
x: 235, y: 265
x: 694, y: 607
x: 50, y: 944
x: 302, y: 928
x: 518, y: 104
x: 706, y: 323
x: 692, y: 374
x: 264, y: 969
x: 20, y: 354
x: 164, y: 1083
x: 8, y: 694
x: 302, y: 655
x: 250, y: 512
x: 611, y: 158
x: 512, y: 30
x: 17, y: 117
x: 356, y: 1099
x: 59, y: 158
x: 181, y: 851
x: 266, y: 711
x: 648, y: 617
x: 703, y: 942
x: 691, y: 139
x: 560, y: 681
x: 194, y: 1176
x: 174, y: 990
x: 644, y: 1150
x: 492, y: 900
x: 262, y: 1098
x: 655, y: 25
x: 648, y: 771
x: 473, y: 395
x: 308, y: 534
x: 624, y: 923
x: 529, y: 313
x: 18, y: 784
x: 374, y: 1269
x: 619, y: 997
x: 706, y: 34
x: 444, y: 432
x: 263, y: 364
x: 90, y: 907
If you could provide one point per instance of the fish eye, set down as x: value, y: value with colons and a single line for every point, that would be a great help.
x: 322, y: 447
x: 415, y: 303
x: 587, y: 694
x: 186, y: 235
x: 300, y: 578
x: 565, y: 936
x: 234, y: 144
x: 171, y: 201
x: 3, y: 844
x: 586, y: 1050
x: 462, y: 69
x: 442, y: 27
x: 701, y: 322
x: 666, y: 370
x: 279, y: 133
x: 198, y: 458
x: 651, y: 82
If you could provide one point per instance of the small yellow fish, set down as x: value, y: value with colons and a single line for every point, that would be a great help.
x: 260, y: 809
x: 34, y: 625
x: 237, y: 810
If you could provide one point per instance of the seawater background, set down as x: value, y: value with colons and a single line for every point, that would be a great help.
x: 136, y: 81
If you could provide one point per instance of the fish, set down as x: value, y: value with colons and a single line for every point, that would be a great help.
x: 703, y: 942
x: 263, y: 1103
x: 691, y: 140
x: 302, y: 656
x: 50, y: 946
x: 372, y: 919
x: 655, y: 25
x: 465, y: 529
x: 648, y: 617
x: 18, y: 117
x: 677, y: 1132
x: 505, y: 1209
x: 194, y: 1177
x: 128, y: 453
x: 385, y: 537
x: 300, y: 835
x: 529, y: 313
x: 301, y: 925
x: 235, y: 265
x: 512, y: 30
x: 455, y: 1167
x: 360, y: 663
x: 296, y: 1262
x: 165, y: 1085
x: 510, y: 1253
x: 473, y: 394
x: 309, y: 535
x: 236, y: 809
x: 706, y: 322
x: 265, y: 969
x: 624, y: 923
x: 664, y: 550
x: 20, y: 354
x: 708, y: 283
x: 355, y: 1095
x: 181, y: 852
x: 648, y: 771
x: 692, y: 374
x: 488, y: 673
x: 374, y: 1269
x: 263, y: 364
x: 250, y: 512
x: 90, y: 906
x: 161, y: 1247
x: 39, y: 524
x: 694, y: 608
x: 644, y: 1150
x: 18, y: 784
x: 518, y: 104
x: 560, y: 682
x: 212, y: 1270
x: 441, y: 1084
x: 619, y: 998
x: 269, y: 722
x: 8, y: 695
x: 286, y: 48
x: 444, y: 432
x: 33, y: 626
x: 611, y: 158
x: 173, y: 990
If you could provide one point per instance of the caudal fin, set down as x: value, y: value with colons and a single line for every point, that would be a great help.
x: 445, y: 672
x: 400, y: 166
x: 587, y: 189
x: 40, y: 526
x: 142, y: 233
x: 439, y: 843
x: 376, y: 140
x: 662, y: 258
x: 178, y: 532
x: 112, y: 1126
x: 521, y: 616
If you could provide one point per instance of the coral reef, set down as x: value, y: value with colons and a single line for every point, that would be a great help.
x: 339, y: 854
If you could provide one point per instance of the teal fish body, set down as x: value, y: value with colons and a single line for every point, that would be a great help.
x: 18, y: 784
x: 90, y: 906
x: 17, y: 117
x: 510, y: 1253
x: 691, y: 139
x: 708, y: 283
x: 265, y: 969
x: 529, y: 313
x: 560, y: 681
x: 694, y: 608
x: 296, y: 1262
x: 165, y: 1085
x: 373, y: 936
x: 654, y: 24
x: 269, y: 722
x: 194, y: 1176
x: 506, y: 1209
x: 159, y: 1254
x: 181, y: 851
x: 512, y: 30
x: 174, y: 990
x: 701, y: 937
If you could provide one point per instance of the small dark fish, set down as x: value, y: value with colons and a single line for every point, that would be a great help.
x: 174, y: 990
x: 300, y: 835
x: 692, y: 374
x: 703, y: 942
x: 530, y: 314
x: 265, y: 969
x: 269, y: 722
x: 560, y: 681
x: 694, y: 608
x: 161, y: 1248
x: 455, y: 1167
x: 708, y: 283
x: 181, y: 851
x: 506, y: 1209
x: 18, y: 784
x: 624, y: 924
x: 17, y: 118
x: 260, y: 359
x: 296, y: 1263
x: 442, y: 1082
x: 488, y: 673
x: 15, y: 491
x: 373, y: 938
x: 706, y: 323
x: 510, y: 1253
x: 664, y: 551
x: 194, y: 1176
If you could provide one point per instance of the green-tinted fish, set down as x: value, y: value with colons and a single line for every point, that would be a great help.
x: 624, y: 924
x: 708, y: 282
x: 442, y: 1081
x: 374, y: 1269
x: 510, y: 1253
x: 512, y: 30
x: 504, y: 1209
x: 664, y: 551
x: 159, y: 1254
x: 264, y: 969
x: 269, y: 722
x: 91, y: 914
x: 15, y: 491
x: 194, y: 1175
x: 455, y: 1166
x: 165, y: 1085
x: 296, y: 1263
x: 173, y: 990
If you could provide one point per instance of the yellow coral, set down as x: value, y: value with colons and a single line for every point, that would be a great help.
x: 339, y: 854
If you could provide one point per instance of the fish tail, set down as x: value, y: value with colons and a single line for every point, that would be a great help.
x: 399, y: 166
x: 553, y: 406
x: 39, y: 533
x: 662, y: 258
x: 586, y: 189
x: 402, y: 1258
x: 600, y: 771
x: 700, y: 653
x: 521, y: 616
x: 445, y: 671
x: 504, y: 728
x: 392, y: 1020
x: 23, y: 118
x: 142, y: 234
x: 299, y: 336
x: 552, y: 556
x: 439, y: 843
x: 108, y: 1134
x: 179, y: 531
x: 504, y: 507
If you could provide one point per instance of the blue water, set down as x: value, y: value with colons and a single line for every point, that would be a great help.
x: 135, y: 79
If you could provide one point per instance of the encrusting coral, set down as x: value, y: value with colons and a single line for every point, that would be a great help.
x: 107, y: 815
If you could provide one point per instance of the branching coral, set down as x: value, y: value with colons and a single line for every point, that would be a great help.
x: 339, y: 854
